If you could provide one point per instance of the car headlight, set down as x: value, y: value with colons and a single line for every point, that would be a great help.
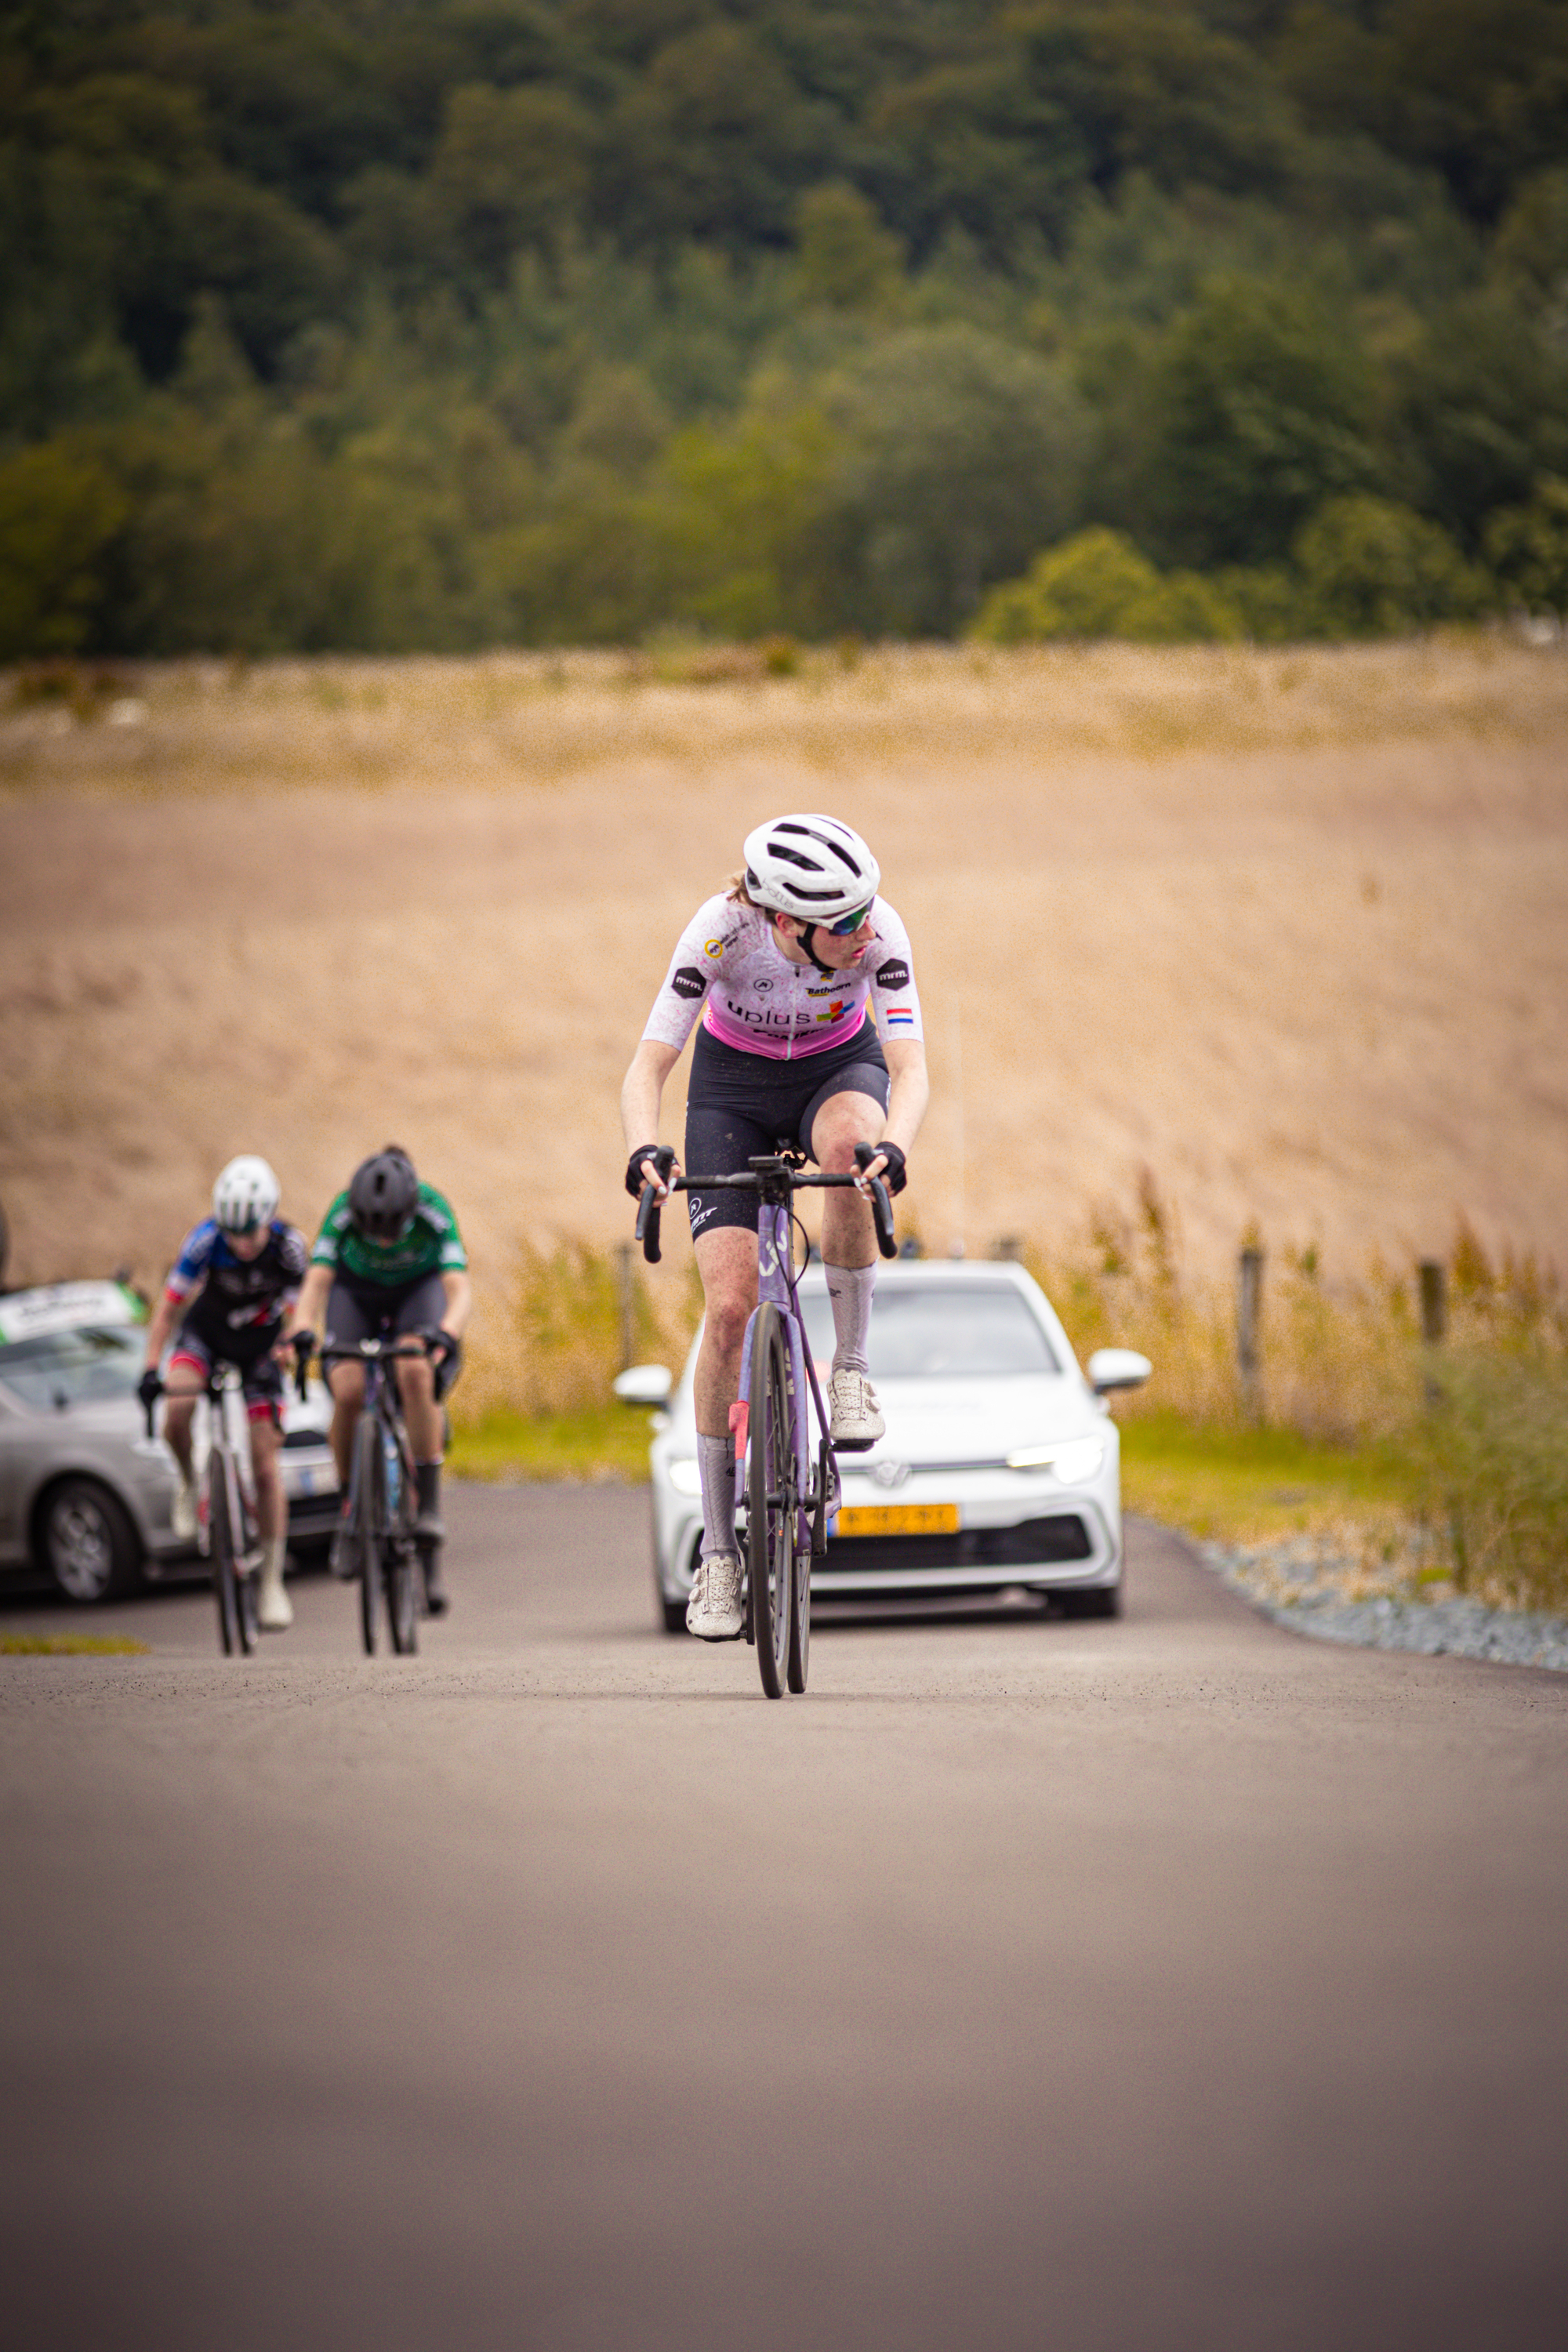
x: 1072, y: 1460
x: 684, y: 1476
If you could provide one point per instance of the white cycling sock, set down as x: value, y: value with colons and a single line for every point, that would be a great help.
x: 850, y: 1288
x: 716, y: 1468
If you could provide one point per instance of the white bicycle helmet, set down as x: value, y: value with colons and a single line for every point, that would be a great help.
x: 246, y: 1196
x: 812, y: 867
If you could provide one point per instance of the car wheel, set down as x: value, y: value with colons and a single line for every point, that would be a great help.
x: 1103, y: 1601
x: 87, y: 1542
x: 673, y: 1612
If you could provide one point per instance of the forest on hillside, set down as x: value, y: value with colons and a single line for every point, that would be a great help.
x: 397, y: 324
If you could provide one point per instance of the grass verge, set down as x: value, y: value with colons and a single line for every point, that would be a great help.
x: 600, y: 1442
x: 1257, y: 1486
x: 72, y: 1646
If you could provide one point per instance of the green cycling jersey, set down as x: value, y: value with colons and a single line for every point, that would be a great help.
x: 432, y: 1243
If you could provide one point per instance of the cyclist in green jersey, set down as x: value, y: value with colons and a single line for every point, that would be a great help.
x: 389, y: 1260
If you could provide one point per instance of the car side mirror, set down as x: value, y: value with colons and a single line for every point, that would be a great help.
x: 1116, y: 1368
x: 643, y: 1384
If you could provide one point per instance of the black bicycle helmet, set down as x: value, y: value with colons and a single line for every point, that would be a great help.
x: 383, y: 1195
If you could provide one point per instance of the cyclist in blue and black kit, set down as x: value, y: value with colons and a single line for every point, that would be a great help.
x: 234, y: 1290
x: 389, y: 1260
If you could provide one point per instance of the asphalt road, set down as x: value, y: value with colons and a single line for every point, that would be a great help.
x: 1162, y: 1984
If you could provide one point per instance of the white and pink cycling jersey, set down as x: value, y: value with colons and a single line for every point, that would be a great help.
x: 729, y: 967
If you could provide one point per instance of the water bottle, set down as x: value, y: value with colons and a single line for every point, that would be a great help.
x: 394, y: 1475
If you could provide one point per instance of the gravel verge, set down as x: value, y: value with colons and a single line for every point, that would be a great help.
x: 1316, y: 1588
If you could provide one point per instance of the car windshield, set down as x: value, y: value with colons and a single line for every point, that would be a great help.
x: 73, y: 1367
x: 933, y: 1332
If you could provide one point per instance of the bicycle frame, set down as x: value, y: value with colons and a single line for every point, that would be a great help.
x: 386, y: 1554
x: 223, y: 1386
x: 777, y: 1287
x: 381, y: 1399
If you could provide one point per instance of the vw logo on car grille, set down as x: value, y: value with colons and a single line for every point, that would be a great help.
x: 891, y: 1473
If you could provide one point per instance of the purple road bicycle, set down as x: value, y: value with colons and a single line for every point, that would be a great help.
x: 788, y: 1493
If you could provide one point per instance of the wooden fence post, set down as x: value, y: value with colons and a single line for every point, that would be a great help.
x: 1248, y: 1316
x: 1434, y: 1278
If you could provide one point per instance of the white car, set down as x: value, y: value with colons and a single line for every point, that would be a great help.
x: 84, y: 1492
x: 1000, y: 1468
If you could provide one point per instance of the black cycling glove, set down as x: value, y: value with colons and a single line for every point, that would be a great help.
x: 446, y: 1358
x: 635, y: 1180
x: 894, y: 1175
x: 149, y: 1387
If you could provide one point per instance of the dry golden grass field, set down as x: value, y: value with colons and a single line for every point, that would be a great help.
x: 1287, y: 930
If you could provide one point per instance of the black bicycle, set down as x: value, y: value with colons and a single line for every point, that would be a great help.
x: 788, y: 1496
x: 226, y: 1514
x: 378, y: 1535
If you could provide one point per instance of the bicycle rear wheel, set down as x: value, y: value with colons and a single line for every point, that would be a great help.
x: 220, y: 1547
x: 771, y: 1500
x: 369, y: 1518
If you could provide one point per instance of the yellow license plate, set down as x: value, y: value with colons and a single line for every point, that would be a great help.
x: 898, y: 1520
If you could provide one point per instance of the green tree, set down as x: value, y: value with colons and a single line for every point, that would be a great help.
x: 959, y: 454
x: 1480, y: 409
x: 1529, y: 253
x: 1260, y: 407
x: 510, y: 173
x: 1370, y: 568
x: 715, y: 141
x: 58, y: 512
x: 1527, y: 548
x: 845, y: 258
x: 1082, y: 588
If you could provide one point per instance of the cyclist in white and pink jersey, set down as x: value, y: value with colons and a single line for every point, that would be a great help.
x: 800, y: 985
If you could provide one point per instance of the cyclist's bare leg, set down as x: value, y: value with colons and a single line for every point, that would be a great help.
x: 346, y: 1384
x: 727, y: 1261
x: 848, y: 1235
x: 416, y: 1387
x: 849, y: 1265
x: 271, y: 1509
x: 180, y: 1393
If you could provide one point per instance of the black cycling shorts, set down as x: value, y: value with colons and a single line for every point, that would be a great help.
x: 261, y: 1375
x: 739, y: 1106
x: 367, y: 1310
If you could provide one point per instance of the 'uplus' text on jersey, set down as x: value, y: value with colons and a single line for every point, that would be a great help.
x: 730, y: 965
x: 240, y: 1295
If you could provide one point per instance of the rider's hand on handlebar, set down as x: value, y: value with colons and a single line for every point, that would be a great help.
x: 642, y: 1168
x: 888, y: 1163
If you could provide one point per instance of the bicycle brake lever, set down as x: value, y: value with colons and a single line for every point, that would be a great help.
x: 649, y: 1206
x: 881, y: 1202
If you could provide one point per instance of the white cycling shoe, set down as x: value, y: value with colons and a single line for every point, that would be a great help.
x: 183, y: 1511
x: 274, y: 1609
x: 713, y: 1612
x: 854, y: 1417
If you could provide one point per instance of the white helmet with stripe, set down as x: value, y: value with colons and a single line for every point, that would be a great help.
x: 812, y: 867
x: 246, y: 1196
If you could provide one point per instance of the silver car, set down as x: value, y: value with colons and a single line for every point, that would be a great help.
x: 1000, y: 1468
x: 84, y: 1492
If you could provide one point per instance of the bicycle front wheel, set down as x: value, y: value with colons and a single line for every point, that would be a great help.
x: 771, y: 1500
x: 220, y: 1547
x: 370, y: 1515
